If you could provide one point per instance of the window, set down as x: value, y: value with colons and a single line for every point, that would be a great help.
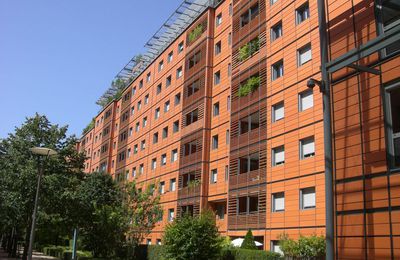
x: 174, y: 155
x: 163, y: 159
x: 192, y: 117
x: 159, y: 87
x: 195, y: 59
x: 143, y: 145
x: 388, y: 16
x: 133, y: 91
x: 218, y: 48
x: 302, y: 13
x: 277, y: 70
x: 221, y: 211
x: 141, y: 84
x: 275, y: 247
x: 166, y: 106
x: 158, y: 242
x: 228, y: 103
x: 193, y: 88
x: 226, y: 172
x: 249, y: 123
x: 168, y: 81
x: 139, y: 105
x: 170, y: 56
x: 148, y: 78
x: 135, y: 149
x: 137, y: 127
x: 177, y: 99
x: 187, y: 178
x: 248, y: 163
x: 141, y: 168
x: 247, y: 204
x: 303, y: 55
x: 278, y: 155
x: 214, y: 175
x: 249, y: 15
x: 216, y: 109
x: 271, y: 2
x: 227, y: 136
x: 161, y: 188
x: 217, y: 78
x: 278, y: 202
x: 155, y: 138
x: 179, y: 72
x: 129, y: 152
x: 132, y: 110
x: 154, y: 163
x: 180, y: 47
x: 307, y: 148
x: 190, y: 148
x: 171, y: 215
x: 215, y: 142
x: 130, y: 131
x: 165, y: 132
x: 276, y: 31
x: 144, y: 121
x: 160, y: 65
x: 134, y: 172
x: 148, y: 242
x: 306, y: 100
x: 121, y: 156
x: 392, y: 114
x: 157, y: 113
x: 278, y: 111
x: 218, y: 19
x: 307, y: 198
x: 175, y: 126
x: 172, y: 184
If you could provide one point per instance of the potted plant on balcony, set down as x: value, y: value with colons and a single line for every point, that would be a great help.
x: 249, y: 49
x: 193, y: 35
x: 249, y: 87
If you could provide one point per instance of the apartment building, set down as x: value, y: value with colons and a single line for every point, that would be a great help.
x: 222, y: 118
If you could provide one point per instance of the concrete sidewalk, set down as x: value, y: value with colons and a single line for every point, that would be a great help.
x: 36, y: 256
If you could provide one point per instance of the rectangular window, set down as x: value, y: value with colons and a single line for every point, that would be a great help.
x: 159, y: 87
x: 307, y: 148
x: 174, y: 155
x: 180, y: 47
x: 271, y: 2
x: 216, y: 109
x: 166, y: 106
x: 307, y: 198
x: 160, y: 65
x: 190, y: 148
x: 170, y: 56
x: 139, y: 105
x: 157, y: 113
x: 306, y: 100
x: 215, y: 142
x: 141, y: 84
x: 168, y: 81
x: 134, y: 91
x: 278, y: 111
x: 275, y: 247
x: 388, y: 16
x: 392, y: 97
x: 218, y: 48
x: 172, y: 184
x: 193, y: 88
x: 155, y: 138
x: 165, y: 132
x: 228, y: 103
x: 195, y: 59
x: 148, y: 78
x: 249, y: 123
x: 217, y: 78
x: 249, y: 15
x: 175, y: 127
x: 248, y: 163
x: 135, y: 149
x: 132, y: 110
x: 304, y: 55
x: 153, y: 163
x: 134, y: 172
x: 141, y: 169
x: 214, y: 175
x: 192, y: 117
x: 179, y: 72
x: 302, y: 13
x: 145, y: 122
x: 148, y: 242
x: 177, y: 100
x: 278, y: 156
x: 163, y: 159
x: 161, y: 188
x: 278, y: 202
x: 277, y: 70
x: 247, y: 205
x: 171, y: 215
x: 276, y: 31
x: 143, y: 145
x: 218, y: 19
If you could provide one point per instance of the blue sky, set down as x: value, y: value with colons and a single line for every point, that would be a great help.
x: 58, y: 56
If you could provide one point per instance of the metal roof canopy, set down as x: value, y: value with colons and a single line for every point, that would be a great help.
x: 184, y: 15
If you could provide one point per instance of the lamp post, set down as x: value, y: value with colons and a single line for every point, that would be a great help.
x: 40, y: 151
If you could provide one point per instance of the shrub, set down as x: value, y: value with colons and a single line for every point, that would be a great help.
x: 249, y: 49
x: 193, y: 35
x: 248, y: 254
x: 312, y: 246
x: 250, y: 86
x: 248, y: 242
x: 193, y: 238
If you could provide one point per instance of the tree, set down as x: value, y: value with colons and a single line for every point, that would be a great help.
x: 104, y: 222
x: 144, y: 211
x: 18, y: 177
x: 193, y: 238
x: 248, y: 242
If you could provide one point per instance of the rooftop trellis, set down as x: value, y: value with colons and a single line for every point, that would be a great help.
x: 183, y: 16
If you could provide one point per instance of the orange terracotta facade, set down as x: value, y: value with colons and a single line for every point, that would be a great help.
x: 248, y: 177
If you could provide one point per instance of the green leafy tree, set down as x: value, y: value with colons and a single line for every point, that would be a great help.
x: 144, y: 211
x: 305, y: 247
x: 193, y: 238
x: 248, y: 242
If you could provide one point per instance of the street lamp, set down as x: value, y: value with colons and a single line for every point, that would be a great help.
x: 40, y: 151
